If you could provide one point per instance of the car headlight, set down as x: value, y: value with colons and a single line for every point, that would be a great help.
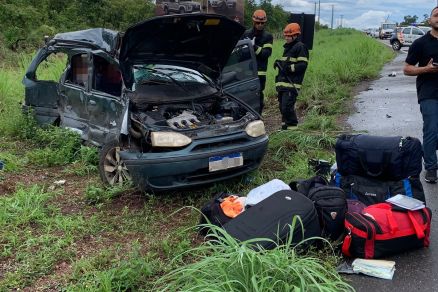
x: 255, y: 129
x: 169, y: 139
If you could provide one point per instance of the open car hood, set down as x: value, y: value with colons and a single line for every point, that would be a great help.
x: 200, y: 41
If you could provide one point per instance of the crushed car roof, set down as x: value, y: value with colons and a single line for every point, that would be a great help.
x: 97, y: 38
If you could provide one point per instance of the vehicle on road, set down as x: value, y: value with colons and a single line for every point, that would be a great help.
x: 169, y: 101
x: 180, y: 6
x: 386, y: 29
x: 405, y: 36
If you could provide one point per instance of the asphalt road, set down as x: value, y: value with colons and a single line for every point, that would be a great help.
x: 389, y: 107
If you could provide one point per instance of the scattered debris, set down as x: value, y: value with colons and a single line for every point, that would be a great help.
x: 56, y: 184
x: 388, y: 116
x: 392, y: 74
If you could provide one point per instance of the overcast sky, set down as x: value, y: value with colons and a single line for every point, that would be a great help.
x: 360, y: 13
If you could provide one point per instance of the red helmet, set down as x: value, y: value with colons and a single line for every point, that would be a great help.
x: 292, y: 29
x: 259, y: 16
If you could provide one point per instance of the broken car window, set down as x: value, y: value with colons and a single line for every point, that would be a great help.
x: 107, y: 77
x: 79, y: 70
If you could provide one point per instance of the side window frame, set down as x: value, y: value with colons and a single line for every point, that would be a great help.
x: 69, y: 77
x: 110, y: 62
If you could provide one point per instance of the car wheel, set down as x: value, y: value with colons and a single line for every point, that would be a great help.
x: 112, y: 169
x: 396, y: 45
x: 182, y: 10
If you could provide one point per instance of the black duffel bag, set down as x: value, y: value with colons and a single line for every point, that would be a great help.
x: 372, y: 191
x: 385, y: 158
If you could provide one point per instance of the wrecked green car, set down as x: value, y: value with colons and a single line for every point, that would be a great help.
x: 172, y: 102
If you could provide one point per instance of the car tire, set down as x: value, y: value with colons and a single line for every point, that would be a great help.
x: 396, y: 45
x: 112, y: 169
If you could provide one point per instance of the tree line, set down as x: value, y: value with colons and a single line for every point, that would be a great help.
x: 24, y: 23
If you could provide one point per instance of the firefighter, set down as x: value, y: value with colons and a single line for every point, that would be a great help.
x: 291, y: 69
x: 262, y: 42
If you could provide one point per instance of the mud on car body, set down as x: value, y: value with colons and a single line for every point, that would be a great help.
x: 172, y: 103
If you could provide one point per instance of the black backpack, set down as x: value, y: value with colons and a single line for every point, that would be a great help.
x: 330, y: 203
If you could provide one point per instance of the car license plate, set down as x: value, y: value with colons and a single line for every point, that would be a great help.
x: 225, y: 161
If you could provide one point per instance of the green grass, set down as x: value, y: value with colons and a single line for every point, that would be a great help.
x: 224, y: 264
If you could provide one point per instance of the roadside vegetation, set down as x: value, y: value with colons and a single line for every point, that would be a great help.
x: 61, y: 229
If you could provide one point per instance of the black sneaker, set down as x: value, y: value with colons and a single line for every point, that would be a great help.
x: 430, y: 176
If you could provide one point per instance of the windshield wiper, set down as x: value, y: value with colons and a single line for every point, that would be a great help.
x: 176, y: 82
x: 211, y: 83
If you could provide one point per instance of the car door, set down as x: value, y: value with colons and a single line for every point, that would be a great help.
x: 239, y: 76
x: 416, y: 33
x: 105, y: 106
x: 73, y: 93
x: 41, y: 95
x: 407, y: 36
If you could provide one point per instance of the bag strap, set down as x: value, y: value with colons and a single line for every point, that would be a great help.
x: 418, y: 230
x: 384, y: 165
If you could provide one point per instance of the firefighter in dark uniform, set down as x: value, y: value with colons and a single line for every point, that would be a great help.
x: 262, y: 42
x: 291, y: 69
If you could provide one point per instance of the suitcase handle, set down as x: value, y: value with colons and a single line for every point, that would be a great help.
x: 384, y: 165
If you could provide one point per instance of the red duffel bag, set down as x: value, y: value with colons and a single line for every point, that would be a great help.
x: 383, y: 229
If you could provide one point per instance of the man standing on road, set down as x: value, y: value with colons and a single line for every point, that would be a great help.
x: 291, y: 69
x: 424, y: 52
x: 262, y: 42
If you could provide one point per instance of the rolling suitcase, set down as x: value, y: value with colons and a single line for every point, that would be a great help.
x: 272, y: 217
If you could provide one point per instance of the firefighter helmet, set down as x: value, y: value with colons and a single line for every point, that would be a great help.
x: 292, y: 29
x: 259, y: 16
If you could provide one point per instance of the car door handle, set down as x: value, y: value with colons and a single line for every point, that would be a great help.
x: 91, y: 102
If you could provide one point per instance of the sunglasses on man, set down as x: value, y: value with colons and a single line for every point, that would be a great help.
x: 259, y: 22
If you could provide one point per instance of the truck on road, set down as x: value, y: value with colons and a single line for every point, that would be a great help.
x: 386, y: 29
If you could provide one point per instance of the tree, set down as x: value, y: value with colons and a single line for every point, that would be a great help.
x: 409, y: 20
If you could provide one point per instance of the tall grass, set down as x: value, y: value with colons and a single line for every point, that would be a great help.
x: 225, y: 264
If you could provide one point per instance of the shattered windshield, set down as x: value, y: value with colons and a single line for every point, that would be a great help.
x: 169, y: 83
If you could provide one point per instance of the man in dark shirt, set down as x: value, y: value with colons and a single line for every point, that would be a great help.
x: 424, y: 52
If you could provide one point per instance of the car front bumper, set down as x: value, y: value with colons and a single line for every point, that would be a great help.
x: 190, y: 167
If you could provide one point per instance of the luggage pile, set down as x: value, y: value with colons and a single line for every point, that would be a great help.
x: 351, y: 208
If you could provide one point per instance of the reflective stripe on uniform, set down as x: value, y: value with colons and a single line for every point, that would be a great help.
x: 294, y: 60
x: 261, y: 73
x: 267, y: 46
x: 292, y: 68
x: 258, y: 50
x: 288, y: 85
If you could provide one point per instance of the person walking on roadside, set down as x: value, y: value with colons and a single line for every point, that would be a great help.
x: 424, y: 51
x: 291, y: 69
x: 262, y: 42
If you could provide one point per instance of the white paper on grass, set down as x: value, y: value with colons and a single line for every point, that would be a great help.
x: 260, y: 193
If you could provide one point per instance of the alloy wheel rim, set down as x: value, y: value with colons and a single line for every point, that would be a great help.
x: 115, y: 169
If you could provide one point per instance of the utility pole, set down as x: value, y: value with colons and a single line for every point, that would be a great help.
x: 333, y: 8
x: 319, y: 11
x: 315, y: 10
x: 342, y: 16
